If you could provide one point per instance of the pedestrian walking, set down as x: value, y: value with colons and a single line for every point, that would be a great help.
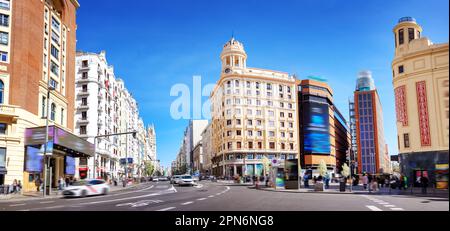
x: 327, y: 180
x: 38, y: 183
x: 374, y: 185
x: 14, y: 188
x: 67, y: 181
x: 365, y: 180
x: 306, y: 180
x: 369, y: 181
x: 424, y: 183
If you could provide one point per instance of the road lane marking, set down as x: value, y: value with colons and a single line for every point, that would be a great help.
x: 383, y: 203
x: 187, y: 203
x: 121, y: 199
x: 373, y: 208
x: 53, y: 207
x: 389, y: 206
x: 397, y: 209
x: 15, y: 205
x: 218, y: 194
x: 118, y: 194
x: 24, y: 210
x: 165, y: 209
x: 211, y: 196
x: 201, y: 199
x: 46, y: 202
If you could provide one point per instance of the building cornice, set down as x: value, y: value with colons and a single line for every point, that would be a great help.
x: 436, y: 49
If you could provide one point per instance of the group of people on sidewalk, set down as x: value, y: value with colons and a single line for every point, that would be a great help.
x: 374, y: 183
x: 325, y: 179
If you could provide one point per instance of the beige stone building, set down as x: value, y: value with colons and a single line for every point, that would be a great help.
x: 421, y: 83
x: 253, y: 115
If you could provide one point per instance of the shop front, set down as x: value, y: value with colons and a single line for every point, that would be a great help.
x: 63, y: 148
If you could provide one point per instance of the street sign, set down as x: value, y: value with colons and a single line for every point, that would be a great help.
x: 275, y: 163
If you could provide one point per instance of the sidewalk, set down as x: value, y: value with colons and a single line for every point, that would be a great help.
x: 334, y: 189
x: 55, y: 194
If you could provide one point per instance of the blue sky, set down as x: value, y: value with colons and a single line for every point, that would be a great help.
x: 156, y: 44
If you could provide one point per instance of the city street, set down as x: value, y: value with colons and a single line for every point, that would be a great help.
x: 208, y: 196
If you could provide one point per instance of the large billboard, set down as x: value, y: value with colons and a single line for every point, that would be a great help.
x: 316, y: 130
x: 34, y: 160
x: 70, y: 165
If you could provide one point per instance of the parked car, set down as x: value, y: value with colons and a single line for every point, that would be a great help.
x: 174, y: 179
x: 186, y: 180
x: 163, y: 178
x: 87, y: 188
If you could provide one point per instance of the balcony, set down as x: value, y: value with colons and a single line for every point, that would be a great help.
x: 83, y: 107
x: 101, y: 108
x: 83, y: 93
x: 100, y: 95
x: 84, y: 67
x: 83, y: 121
x: 8, y: 111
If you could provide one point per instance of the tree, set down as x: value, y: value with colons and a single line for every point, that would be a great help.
x: 149, y: 168
x: 345, y: 170
x: 322, y: 168
x: 266, y: 165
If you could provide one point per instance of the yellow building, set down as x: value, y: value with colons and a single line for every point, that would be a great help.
x: 253, y: 115
x: 421, y: 83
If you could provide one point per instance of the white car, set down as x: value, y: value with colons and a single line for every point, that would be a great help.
x: 86, y: 188
x: 155, y: 179
x: 186, y: 180
x: 174, y: 179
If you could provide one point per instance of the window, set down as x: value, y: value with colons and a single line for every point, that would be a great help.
x: 291, y: 125
x: 248, y: 84
x: 62, y: 116
x: 260, y: 147
x: 3, y: 127
x: 84, y: 63
x: 229, y: 145
x: 410, y: 34
x: 228, y: 122
x: 258, y: 122
x: 401, y: 69
x: 281, y: 114
x: 249, y: 122
x: 55, y: 52
x: 269, y: 103
x: 258, y: 102
x: 228, y: 133
x: 259, y: 133
x: 4, y: 20
x: 238, y: 122
x: 291, y: 156
x: 55, y: 24
x: 55, y: 38
x: 282, y: 125
x: 239, y: 145
x: 43, y: 106
x: 271, y: 113
x: 238, y: 132
x: 2, y: 157
x: 272, y: 145
x: 283, y: 146
x: 291, y: 134
x: 269, y: 87
x: 84, y: 88
x: 84, y: 101
x: 291, y: 145
x: 283, y: 134
x: 271, y: 133
x: 283, y: 156
x: 406, y: 140
x: 401, y: 38
x: 290, y: 106
x: 238, y: 111
x: 237, y: 101
x: 258, y: 112
x: 2, y: 92
x: 250, y: 156
x: 271, y: 123
x: 290, y: 115
x: 228, y: 60
x: 4, y: 38
x: 5, y: 4
x: 249, y: 92
x: 53, y: 83
x: 83, y: 130
x: 250, y: 133
x: 236, y: 83
x: 84, y: 75
x: 53, y: 112
x: 54, y: 68
x: 236, y: 61
x: 281, y: 88
x: 257, y: 85
x: 249, y: 102
x: 3, y: 56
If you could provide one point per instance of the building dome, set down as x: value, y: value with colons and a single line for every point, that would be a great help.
x: 365, y: 81
x: 233, y: 46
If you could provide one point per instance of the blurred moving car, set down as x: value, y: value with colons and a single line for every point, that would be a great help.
x: 86, y: 188
x: 163, y: 178
x: 174, y: 179
x: 155, y: 179
x: 186, y: 180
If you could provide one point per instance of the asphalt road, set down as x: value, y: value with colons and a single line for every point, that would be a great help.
x: 208, y: 196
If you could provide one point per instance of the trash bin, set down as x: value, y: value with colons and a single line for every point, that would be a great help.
x: 342, y: 186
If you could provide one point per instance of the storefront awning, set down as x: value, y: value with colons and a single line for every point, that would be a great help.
x: 59, y: 139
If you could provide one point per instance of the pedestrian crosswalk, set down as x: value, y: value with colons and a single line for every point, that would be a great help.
x: 381, y: 203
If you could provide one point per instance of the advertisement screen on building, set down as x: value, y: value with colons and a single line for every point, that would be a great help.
x: 34, y: 159
x: 316, y: 128
x: 70, y: 165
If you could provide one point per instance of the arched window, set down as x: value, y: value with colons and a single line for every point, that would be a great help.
x: 53, y: 112
x: 2, y: 92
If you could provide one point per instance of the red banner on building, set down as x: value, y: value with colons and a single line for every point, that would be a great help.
x: 424, y: 121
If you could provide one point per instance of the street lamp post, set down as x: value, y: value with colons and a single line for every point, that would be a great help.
x: 49, y: 88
